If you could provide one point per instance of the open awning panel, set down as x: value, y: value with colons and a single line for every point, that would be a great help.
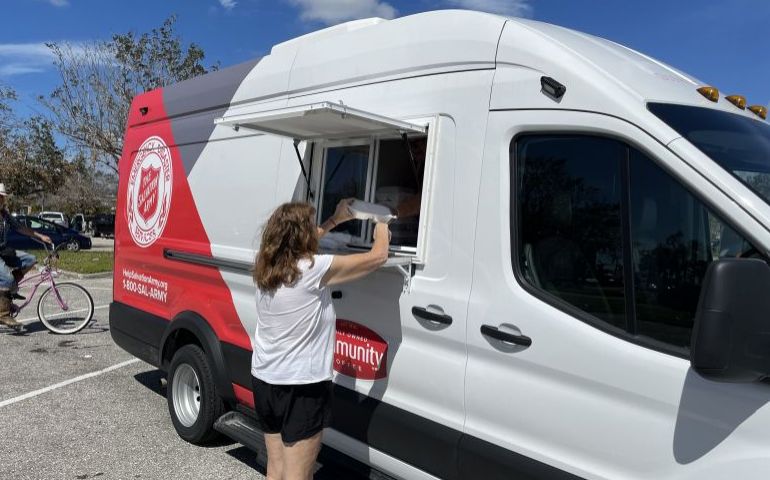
x: 324, y: 120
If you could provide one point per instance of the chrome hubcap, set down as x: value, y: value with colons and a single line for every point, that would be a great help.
x: 186, y: 394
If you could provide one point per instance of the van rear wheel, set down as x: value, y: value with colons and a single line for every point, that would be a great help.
x: 193, y: 401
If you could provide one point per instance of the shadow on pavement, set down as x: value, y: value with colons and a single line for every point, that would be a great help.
x: 35, y: 327
x: 332, y: 464
x: 152, y: 380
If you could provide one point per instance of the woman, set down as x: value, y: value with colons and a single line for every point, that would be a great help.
x: 295, y: 335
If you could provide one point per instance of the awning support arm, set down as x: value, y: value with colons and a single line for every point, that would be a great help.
x: 310, y: 193
x: 412, y: 162
x: 301, y: 165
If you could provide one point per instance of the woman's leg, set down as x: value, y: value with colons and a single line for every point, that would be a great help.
x: 299, y: 458
x: 275, y: 459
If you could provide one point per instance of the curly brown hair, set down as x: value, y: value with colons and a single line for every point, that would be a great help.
x: 288, y: 236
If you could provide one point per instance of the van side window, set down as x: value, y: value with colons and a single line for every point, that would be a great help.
x: 398, y: 185
x: 345, y: 175
x: 603, y: 228
x: 393, y: 176
x: 570, y: 221
x: 670, y: 243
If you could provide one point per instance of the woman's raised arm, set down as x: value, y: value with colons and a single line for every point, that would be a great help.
x: 346, y: 268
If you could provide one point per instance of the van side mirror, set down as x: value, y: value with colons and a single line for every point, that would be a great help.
x: 731, y: 337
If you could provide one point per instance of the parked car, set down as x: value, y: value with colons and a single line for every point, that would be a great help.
x: 59, y: 235
x: 103, y: 225
x: 56, y: 217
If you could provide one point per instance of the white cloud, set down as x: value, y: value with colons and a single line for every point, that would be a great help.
x: 228, y: 4
x: 28, y: 50
x: 336, y: 11
x: 23, y: 58
x: 513, y: 8
x: 59, y: 3
x: 11, y: 69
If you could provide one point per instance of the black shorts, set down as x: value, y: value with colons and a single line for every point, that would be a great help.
x: 296, y: 412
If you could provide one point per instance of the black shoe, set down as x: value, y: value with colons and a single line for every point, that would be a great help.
x: 16, y: 296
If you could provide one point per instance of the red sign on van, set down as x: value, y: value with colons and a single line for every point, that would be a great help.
x: 148, y: 192
x: 359, y: 352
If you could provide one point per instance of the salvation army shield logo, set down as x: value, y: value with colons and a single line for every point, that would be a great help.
x: 149, y: 192
x: 149, y: 180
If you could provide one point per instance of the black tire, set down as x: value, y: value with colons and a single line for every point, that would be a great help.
x: 211, y: 407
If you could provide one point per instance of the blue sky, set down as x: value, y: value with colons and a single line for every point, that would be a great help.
x: 721, y: 42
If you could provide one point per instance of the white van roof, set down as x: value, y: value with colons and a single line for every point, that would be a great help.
x: 599, y: 74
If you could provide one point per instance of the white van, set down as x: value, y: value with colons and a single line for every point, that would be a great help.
x: 580, y: 291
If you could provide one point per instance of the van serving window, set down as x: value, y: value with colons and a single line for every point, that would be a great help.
x: 320, y: 121
x: 355, y: 154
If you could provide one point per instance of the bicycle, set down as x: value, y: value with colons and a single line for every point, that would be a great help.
x: 63, y: 308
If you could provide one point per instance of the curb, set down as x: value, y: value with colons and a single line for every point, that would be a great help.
x: 84, y: 276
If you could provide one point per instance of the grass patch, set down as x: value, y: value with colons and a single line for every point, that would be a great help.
x: 84, y: 261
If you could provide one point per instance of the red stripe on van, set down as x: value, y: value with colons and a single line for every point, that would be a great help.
x: 243, y: 395
x: 144, y: 279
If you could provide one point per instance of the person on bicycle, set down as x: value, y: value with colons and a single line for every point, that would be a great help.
x: 14, y: 264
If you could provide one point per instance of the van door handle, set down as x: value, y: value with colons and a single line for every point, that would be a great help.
x: 498, y: 334
x: 426, y: 314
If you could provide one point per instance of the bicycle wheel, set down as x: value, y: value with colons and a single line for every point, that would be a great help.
x: 69, y: 311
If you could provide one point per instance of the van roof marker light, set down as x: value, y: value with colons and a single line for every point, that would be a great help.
x: 760, y: 111
x: 737, y: 100
x: 552, y: 88
x: 709, y: 92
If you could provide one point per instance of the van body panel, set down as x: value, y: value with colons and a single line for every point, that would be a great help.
x: 206, y: 92
x: 143, y: 277
x: 408, y: 47
x: 580, y: 392
x: 600, y: 75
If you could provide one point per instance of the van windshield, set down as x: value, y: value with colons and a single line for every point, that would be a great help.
x: 739, y: 144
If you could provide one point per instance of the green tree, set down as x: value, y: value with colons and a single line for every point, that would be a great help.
x: 100, y: 79
x: 7, y: 95
x: 31, y: 163
x: 86, y: 189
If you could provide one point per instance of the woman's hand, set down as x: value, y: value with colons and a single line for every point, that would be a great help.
x: 342, y: 214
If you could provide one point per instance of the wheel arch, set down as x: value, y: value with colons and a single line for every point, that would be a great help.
x: 191, y: 328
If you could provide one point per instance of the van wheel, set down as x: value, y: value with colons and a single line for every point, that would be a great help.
x: 193, y: 400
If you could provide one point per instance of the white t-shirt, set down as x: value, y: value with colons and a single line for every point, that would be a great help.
x: 294, y: 340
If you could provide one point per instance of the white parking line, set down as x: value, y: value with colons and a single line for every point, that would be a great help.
x: 11, y: 401
x: 33, y: 319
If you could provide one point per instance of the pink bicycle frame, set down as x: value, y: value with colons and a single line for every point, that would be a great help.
x: 40, y: 278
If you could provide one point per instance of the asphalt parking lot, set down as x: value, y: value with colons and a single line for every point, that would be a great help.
x: 79, y: 407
